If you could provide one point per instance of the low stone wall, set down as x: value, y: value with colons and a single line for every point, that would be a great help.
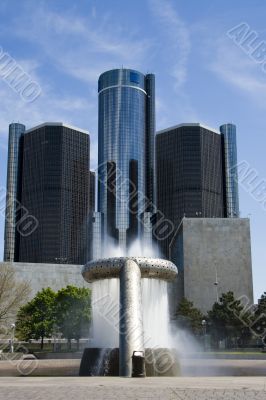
x: 58, y: 356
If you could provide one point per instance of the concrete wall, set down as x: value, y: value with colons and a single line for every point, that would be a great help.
x: 204, y: 246
x: 56, y: 276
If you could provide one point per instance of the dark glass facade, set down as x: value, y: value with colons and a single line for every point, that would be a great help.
x: 228, y: 132
x: 91, y: 220
x: 55, y: 189
x: 126, y: 151
x: 150, y: 142
x: 92, y: 183
x: 189, y: 174
x: 13, y: 195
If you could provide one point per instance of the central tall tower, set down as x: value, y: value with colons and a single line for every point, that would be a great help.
x: 126, y: 152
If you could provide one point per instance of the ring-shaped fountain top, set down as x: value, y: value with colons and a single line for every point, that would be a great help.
x: 107, y: 268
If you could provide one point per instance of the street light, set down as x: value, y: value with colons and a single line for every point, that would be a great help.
x: 216, y: 283
x: 204, y: 326
x: 13, y: 327
x: 204, y: 329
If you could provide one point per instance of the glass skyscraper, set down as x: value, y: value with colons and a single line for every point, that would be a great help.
x: 126, y: 151
x: 13, y: 196
x: 56, y: 191
x: 189, y: 174
x: 228, y: 132
x: 196, y: 173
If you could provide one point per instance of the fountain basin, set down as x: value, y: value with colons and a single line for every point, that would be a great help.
x: 105, y: 362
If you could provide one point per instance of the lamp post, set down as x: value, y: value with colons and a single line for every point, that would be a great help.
x: 216, y: 283
x: 204, y: 329
x: 13, y: 327
x: 204, y: 323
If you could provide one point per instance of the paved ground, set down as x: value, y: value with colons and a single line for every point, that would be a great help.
x: 67, y: 388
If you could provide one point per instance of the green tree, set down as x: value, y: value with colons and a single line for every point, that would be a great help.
x: 73, y: 312
x: 262, y: 305
x: 228, y: 319
x: 36, y: 319
x: 189, y: 316
x: 259, y: 322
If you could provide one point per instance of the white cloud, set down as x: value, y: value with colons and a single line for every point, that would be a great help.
x: 49, y: 106
x: 177, y: 38
x: 94, y: 12
x: 231, y: 64
x: 178, y: 112
x: 79, y: 46
x: 83, y: 47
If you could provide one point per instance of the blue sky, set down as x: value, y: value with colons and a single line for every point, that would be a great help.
x: 201, y: 74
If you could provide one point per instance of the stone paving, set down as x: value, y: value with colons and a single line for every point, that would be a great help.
x: 126, y: 389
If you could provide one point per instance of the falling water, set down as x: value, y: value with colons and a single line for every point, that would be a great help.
x: 155, y: 308
x: 105, y: 311
x: 155, y: 313
x: 105, y: 302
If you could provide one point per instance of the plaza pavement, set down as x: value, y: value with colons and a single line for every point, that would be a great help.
x: 104, y: 388
x: 58, y: 380
x: 189, y: 367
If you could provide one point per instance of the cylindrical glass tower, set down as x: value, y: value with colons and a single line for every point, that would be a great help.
x: 228, y: 132
x: 13, y: 196
x: 125, y: 151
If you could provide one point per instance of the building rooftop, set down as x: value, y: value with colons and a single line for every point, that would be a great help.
x: 188, y: 124
x: 56, y: 124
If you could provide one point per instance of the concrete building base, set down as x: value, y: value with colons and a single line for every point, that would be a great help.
x: 56, y: 276
x: 213, y: 256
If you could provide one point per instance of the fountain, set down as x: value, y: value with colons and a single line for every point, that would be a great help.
x: 130, y: 271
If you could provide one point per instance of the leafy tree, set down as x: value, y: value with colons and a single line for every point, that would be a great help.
x: 13, y: 294
x: 262, y: 305
x: 228, y: 319
x: 73, y: 312
x: 259, y: 322
x: 189, y: 316
x: 36, y: 319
